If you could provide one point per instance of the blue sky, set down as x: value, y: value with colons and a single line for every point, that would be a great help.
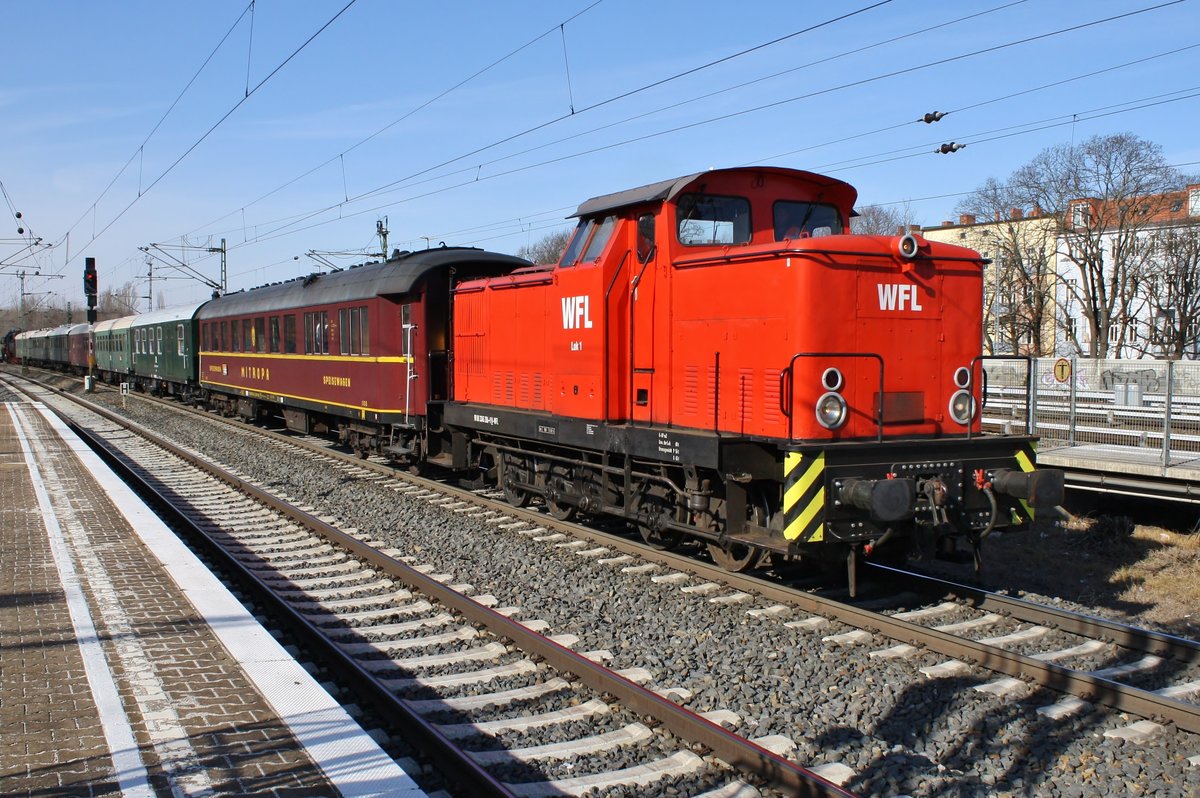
x: 486, y: 123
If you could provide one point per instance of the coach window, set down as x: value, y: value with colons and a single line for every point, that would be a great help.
x: 322, y: 336
x: 289, y: 334
x: 158, y: 340
x: 805, y: 219
x: 260, y: 334
x: 362, y: 335
x: 247, y: 335
x: 316, y: 332
x: 406, y: 327
x: 179, y: 339
x: 225, y: 344
x: 235, y: 338
x: 707, y: 220
x: 344, y: 331
x: 274, y: 327
x: 645, y: 237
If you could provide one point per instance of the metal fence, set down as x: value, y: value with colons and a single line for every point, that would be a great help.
x: 1148, y: 404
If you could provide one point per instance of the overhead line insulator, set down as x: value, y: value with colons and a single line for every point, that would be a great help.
x: 949, y: 148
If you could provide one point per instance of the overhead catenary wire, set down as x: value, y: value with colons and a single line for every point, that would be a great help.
x: 218, y: 123
x: 391, y: 186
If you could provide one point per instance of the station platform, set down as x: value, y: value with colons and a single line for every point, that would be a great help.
x: 126, y: 668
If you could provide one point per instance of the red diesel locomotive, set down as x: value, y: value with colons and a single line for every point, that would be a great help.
x: 713, y: 357
x: 716, y: 357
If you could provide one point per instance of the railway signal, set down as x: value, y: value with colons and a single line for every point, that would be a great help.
x: 89, y: 287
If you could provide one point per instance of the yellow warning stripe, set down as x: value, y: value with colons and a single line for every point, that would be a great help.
x: 794, y: 492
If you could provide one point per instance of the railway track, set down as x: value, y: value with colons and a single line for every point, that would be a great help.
x: 1013, y: 651
x: 512, y: 710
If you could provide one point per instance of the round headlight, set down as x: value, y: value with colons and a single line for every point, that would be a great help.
x: 962, y: 407
x: 962, y: 377
x: 832, y: 379
x: 831, y: 410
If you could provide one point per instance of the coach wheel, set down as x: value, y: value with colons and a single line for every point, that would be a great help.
x: 517, y: 497
x: 558, y: 482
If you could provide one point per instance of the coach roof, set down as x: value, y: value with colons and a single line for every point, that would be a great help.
x: 394, y: 277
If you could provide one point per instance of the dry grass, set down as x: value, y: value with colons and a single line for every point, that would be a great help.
x: 1145, y: 575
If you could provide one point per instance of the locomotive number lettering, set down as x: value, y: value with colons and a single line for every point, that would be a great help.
x: 492, y: 421
x: 336, y: 382
x: 576, y: 315
x: 577, y: 346
x: 895, y: 297
x: 668, y: 447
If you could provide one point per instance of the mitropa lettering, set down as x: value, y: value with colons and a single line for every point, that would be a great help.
x: 256, y: 373
x: 576, y: 313
x: 336, y: 382
x: 895, y: 297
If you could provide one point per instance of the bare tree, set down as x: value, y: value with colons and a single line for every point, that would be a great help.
x: 547, y: 249
x: 1173, y: 291
x: 1104, y: 192
x: 881, y: 220
x: 1020, y: 287
x: 116, y: 302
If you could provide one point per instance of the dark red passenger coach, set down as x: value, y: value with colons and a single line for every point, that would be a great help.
x: 360, y: 351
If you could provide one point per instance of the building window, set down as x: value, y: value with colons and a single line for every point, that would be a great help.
x: 1194, y: 202
x: 1081, y: 215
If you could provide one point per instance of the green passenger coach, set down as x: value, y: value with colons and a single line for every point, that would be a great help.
x: 163, y: 351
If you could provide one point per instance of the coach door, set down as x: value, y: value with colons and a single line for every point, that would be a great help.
x: 643, y: 277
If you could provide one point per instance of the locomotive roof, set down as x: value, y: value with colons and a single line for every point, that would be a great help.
x: 669, y: 189
x: 397, y: 275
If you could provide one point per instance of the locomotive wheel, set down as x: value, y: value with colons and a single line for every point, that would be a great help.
x: 736, y: 558
x: 517, y: 497
x: 659, y: 539
x: 739, y: 557
x: 560, y: 511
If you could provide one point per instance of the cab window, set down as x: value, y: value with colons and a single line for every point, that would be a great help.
x: 645, y: 237
x: 707, y: 220
x: 805, y: 219
x: 599, y: 239
x: 571, y: 253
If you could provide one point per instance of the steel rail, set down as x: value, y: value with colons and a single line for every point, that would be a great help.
x: 1146, y: 640
x: 1108, y: 692
x: 737, y: 751
x: 439, y: 748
